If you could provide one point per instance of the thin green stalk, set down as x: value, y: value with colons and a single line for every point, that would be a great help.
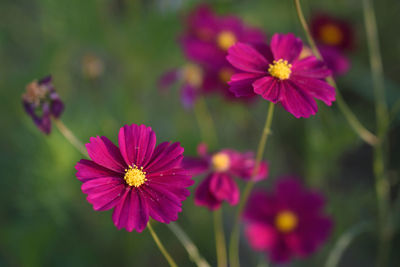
x: 161, y: 247
x: 220, y: 239
x: 235, y: 235
x: 188, y: 245
x: 70, y: 136
x: 174, y: 227
x: 382, y: 183
x: 344, y: 242
x: 357, y: 126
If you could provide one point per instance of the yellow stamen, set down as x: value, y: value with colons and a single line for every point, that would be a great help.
x: 220, y: 162
x: 193, y: 75
x: 225, y: 74
x: 286, y: 221
x: 330, y: 34
x: 226, y: 39
x: 280, y: 69
x: 135, y: 176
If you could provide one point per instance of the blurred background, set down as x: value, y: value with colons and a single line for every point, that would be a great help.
x: 106, y: 57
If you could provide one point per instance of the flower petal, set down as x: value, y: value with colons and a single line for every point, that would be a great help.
x: 203, y: 196
x: 103, y: 193
x: 269, y: 88
x: 132, y: 211
x: 310, y: 67
x: 166, y: 156
x: 194, y: 165
x: 248, y: 59
x: 223, y: 187
x: 87, y: 170
x: 103, y: 152
x: 261, y: 236
x: 241, y: 84
x: 316, y: 88
x: 286, y: 46
x: 297, y: 101
x: 137, y: 144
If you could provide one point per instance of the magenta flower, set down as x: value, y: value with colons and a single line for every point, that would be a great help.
x: 333, y: 32
x: 138, y: 179
x: 279, y: 75
x: 288, y: 222
x: 41, y: 102
x: 208, y: 36
x: 221, y: 168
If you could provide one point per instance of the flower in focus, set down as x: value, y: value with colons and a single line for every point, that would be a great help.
x: 279, y: 75
x: 288, y: 222
x: 137, y: 179
x: 221, y: 168
x: 334, y: 37
x: 41, y: 102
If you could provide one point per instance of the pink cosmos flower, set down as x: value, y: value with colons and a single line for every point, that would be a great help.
x: 288, y: 222
x: 221, y: 168
x: 279, y: 75
x: 208, y: 36
x: 137, y: 179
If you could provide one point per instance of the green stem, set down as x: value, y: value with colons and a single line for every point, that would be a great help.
x: 355, y: 124
x: 220, y: 239
x: 382, y: 183
x: 343, y: 243
x: 161, y: 247
x: 70, y: 136
x: 235, y: 235
x: 174, y: 227
x: 188, y: 245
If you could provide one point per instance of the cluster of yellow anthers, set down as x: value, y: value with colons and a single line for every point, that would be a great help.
x: 135, y: 176
x: 280, y: 69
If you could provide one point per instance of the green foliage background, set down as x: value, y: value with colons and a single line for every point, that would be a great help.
x: 45, y: 219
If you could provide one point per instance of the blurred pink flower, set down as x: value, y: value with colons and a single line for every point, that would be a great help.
x: 221, y: 168
x: 288, y: 222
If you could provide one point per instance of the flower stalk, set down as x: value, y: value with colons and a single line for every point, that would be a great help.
x: 235, y: 235
x: 382, y: 183
x: 355, y: 124
x: 161, y: 247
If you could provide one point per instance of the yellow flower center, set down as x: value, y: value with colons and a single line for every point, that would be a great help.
x: 280, y: 69
x: 225, y: 74
x: 220, y: 162
x: 226, y: 39
x: 286, y: 221
x: 135, y: 176
x: 330, y: 34
x: 193, y: 75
